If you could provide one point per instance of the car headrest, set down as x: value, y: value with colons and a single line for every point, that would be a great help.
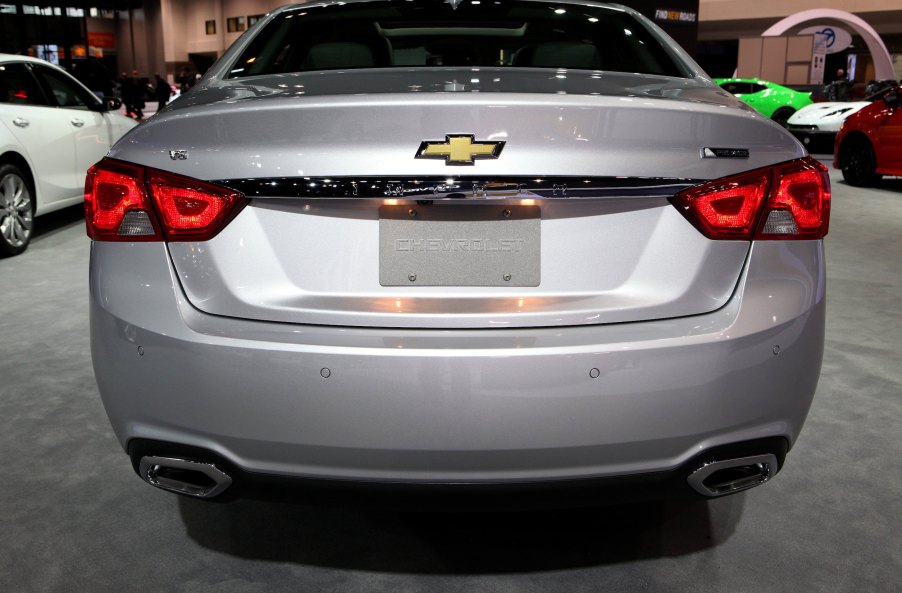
x: 339, y: 54
x: 566, y: 54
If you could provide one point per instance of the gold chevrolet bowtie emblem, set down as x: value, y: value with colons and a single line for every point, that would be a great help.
x: 459, y: 149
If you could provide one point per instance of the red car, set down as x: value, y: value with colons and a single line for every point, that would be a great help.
x: 869, y: 144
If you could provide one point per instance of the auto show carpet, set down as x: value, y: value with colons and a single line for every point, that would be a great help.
x: 75, y: 517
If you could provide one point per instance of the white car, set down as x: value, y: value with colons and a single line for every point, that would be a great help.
x: 52, y: 129
x: 817, y: 125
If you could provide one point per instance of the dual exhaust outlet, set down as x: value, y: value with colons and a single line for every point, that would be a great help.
x: 205, y: 480
x: 192, y: 478
x: 718, y: 478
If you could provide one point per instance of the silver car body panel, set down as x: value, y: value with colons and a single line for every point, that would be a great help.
x: 619, y: 135
x: 318, y: 261
x: 456, y: 405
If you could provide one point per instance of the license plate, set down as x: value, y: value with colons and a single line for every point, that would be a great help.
x: 459, y: 245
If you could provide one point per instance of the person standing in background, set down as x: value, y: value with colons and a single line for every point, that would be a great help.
x: 163, y: 91
x: 139, y: 85
x: 185, y: 80
x: 127, y: 93
x: 843, y: 85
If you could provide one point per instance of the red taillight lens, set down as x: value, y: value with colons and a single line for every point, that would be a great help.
x: 799, y: 205
x: 788, y: 201
x: 125, y: 202
x: 191, y: 210
x: 726, y: 208
x: 114, y: 193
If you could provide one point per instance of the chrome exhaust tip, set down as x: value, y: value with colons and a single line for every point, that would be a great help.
x: 192, y: 478
x: 718, y: 478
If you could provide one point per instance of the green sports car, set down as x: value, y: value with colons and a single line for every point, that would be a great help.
x: 769, y: 99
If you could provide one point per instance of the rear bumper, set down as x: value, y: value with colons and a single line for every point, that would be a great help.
x: 456, y: 406
x: 460, y: 496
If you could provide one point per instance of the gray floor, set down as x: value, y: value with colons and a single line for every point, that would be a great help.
x: 74, y: 517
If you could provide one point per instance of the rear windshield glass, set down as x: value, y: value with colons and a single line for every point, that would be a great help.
x: 431, y: 33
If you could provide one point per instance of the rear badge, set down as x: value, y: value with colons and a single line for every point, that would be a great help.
x: 725, y: 153
x: 178, y: 155
x: 459, y: 149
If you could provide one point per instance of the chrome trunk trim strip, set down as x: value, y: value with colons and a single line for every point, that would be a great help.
x: 454, y: 188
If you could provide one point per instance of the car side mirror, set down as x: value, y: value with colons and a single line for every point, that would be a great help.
x: 892, y: 100
x: 107, y: 104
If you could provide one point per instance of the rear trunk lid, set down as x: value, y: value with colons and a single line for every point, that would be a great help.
x: 570, y: 225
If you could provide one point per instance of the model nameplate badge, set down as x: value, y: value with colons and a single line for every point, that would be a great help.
x: 178, y: 155
x: 725, y: 153
x: 459, y: 149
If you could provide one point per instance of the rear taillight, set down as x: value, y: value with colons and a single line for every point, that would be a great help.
x: 799, y: 203
x: 126, y: 202
x: 786, y: 201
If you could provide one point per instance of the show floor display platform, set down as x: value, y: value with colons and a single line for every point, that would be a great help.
x: 76, y: 518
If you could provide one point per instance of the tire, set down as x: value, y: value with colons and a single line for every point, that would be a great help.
x: 16, y: 210
x: 858, y: 163
x: 782, y: 115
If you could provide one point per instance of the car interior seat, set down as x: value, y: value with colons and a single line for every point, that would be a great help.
x: 361, y: 52
x: 565, y: 54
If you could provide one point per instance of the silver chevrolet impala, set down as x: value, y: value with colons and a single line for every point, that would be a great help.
x: 460, y: 247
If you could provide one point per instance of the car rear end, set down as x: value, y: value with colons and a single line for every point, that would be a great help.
x: 351, y: 269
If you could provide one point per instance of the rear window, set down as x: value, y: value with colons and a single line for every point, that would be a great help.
x: 431, y: 33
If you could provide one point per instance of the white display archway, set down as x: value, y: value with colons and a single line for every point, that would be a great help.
x: 883, y: 63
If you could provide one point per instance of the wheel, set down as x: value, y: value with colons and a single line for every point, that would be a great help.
x: 782, y: 115
x: 16, y: 210
x: 857, y: 161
